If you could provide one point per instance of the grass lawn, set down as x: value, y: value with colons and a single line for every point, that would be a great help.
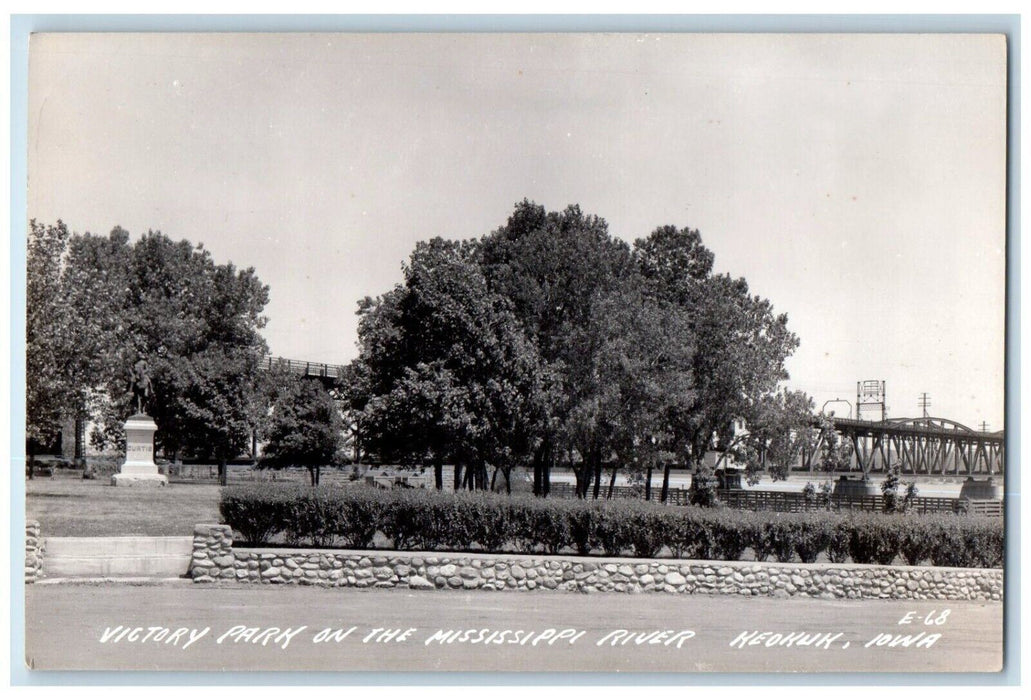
x: 74, y: 507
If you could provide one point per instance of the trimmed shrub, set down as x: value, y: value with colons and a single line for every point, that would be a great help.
x: 759, y: 538
x: 731, y: 535
x: 783, y: 534
x: 650, y: 530
x: 258, y: 511
x: 615, y: 529
x: 582, y: 522
x: 840, y: 542
x: 358, y: 519
x: 433, y: 521
x: 315, y: 519
x: 916, y: 540
x: 404, y: 521
x: 813, y: 535
x: 479, y: 518
x: 540, y: 524
x: 985, y: 542
x: 966, y: 541
x: 874, y: 539
x: 692, y: 537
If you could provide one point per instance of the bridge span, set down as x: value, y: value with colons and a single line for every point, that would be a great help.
x: 922, y: 446
x: 331, y: 375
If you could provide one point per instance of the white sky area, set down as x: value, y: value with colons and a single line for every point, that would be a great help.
x: 856, y: 181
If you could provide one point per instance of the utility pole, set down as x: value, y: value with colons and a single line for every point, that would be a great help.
x: 925, y: 401
x: 984, y: 427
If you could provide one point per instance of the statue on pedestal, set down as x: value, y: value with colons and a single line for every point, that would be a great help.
x: 139, y: 468
x: 140, y: 385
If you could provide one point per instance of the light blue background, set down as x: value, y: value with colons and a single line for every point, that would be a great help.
x: 23, y: 25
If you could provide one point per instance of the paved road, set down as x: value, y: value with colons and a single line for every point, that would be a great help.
x: 66, y: 622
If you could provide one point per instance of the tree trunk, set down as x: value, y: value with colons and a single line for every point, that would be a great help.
x: 597, y: 475
x: 357, y: 442
x: 538, y: 470
x: 549, y: 460
x: 582, y: 472
x: 457, y: 480
x: 665, y: 482
x: 612, y: 481
x: 494, y: 478
x: 508, y: 481
x: 223, y: 477
x: 438, y: 472
x: 648, y: 482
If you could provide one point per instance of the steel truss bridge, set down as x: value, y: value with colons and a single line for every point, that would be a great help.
x: 933, y: 446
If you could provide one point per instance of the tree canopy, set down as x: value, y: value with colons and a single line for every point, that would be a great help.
x: 549, y: 340
x: 52, y: 389
x: 304, y: 428
x: 110, y: 302
x: 546, y: 341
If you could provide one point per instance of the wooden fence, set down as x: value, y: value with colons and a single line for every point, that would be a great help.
x: 793, y: 502
x: 676, y: 496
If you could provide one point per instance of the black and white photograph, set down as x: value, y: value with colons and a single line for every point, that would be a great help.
x: 515, y: 352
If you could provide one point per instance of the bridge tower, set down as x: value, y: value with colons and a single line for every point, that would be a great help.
x: 870, y: 394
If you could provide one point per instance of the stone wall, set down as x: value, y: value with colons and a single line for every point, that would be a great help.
x: 212, y: 553
x: 34, y: 547
x: 216, y: 559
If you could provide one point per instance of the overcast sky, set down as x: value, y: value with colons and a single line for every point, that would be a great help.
x: 858, y: 182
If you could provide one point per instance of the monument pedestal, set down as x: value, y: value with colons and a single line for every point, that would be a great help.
x: 139, y: 468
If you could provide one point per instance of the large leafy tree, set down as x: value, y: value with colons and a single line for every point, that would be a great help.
x: 353, y: 395
x: 549, y: 340
x: 557, y: 269
x: 50, y: 364
x: 195, y: 322
x: 782, y: 430
x: 741, y: 344
x: 304, y: 428
x: 451, y: 376
x: 646, y: 363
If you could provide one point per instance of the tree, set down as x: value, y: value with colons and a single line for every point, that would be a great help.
x: 741, y: 345
x: 835, y: 453
x: 353, y: 395
x: 450, y: 374
x: 556, y: 269
x: 549, y: 339
x: 783, y: 427
x: 890, y: 487
x: 304, y: 428
x: 642, y: 375
x: 195, y: 322
x: 50, y: 392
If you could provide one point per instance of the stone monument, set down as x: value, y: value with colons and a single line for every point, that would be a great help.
x: 139, y: 468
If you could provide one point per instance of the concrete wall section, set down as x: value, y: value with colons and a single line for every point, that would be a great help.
x: 214, y: 559
x: 131, y: 556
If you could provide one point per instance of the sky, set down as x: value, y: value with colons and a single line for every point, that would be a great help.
x: 856, y: 181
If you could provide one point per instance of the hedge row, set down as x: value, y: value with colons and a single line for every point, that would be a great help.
x: 433, y: 521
